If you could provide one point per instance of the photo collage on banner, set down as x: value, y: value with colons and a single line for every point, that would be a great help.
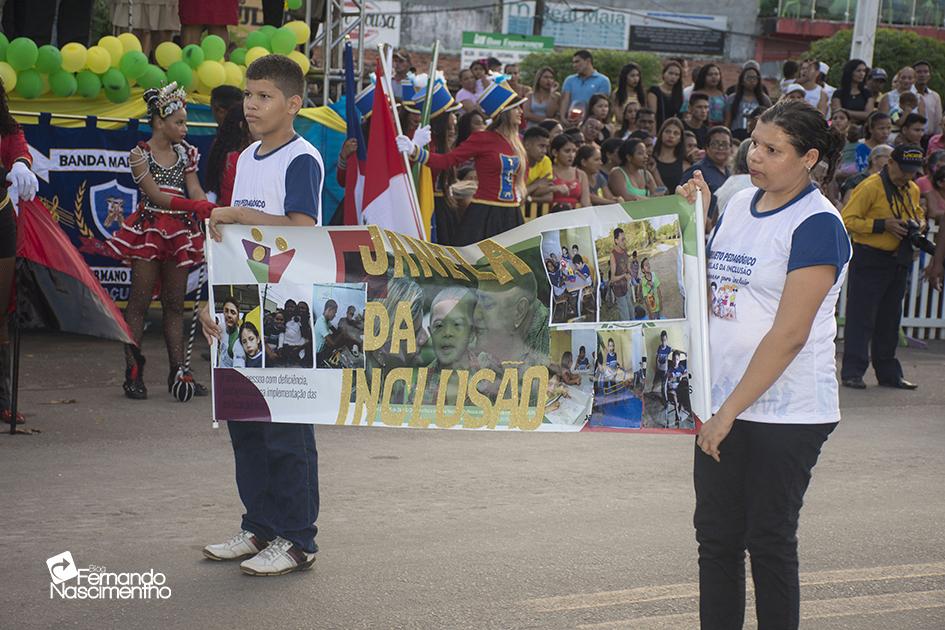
x: 574, y: 321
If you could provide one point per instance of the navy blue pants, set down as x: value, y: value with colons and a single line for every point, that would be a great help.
x: 752, y: 500
x: 277, y: 478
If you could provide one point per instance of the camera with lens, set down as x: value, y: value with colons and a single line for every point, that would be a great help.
x: 917, y: 239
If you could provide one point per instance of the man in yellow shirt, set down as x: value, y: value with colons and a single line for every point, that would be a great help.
x: 538, y: 181
x: 879, y: 215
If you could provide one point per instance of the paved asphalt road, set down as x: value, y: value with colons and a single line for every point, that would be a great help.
x: 429, y: 529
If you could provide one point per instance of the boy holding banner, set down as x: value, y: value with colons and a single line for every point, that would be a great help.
x: 278, y: 182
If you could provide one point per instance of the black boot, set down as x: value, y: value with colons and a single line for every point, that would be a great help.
x: 134, y: 377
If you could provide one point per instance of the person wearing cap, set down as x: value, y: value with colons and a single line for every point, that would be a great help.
x: 876, y: 82
x: 578, y: 88
x: 500, y: 162
x: 401, y: 68
x: 878, y: 216
x: 443, y: 127
x: 929, y: 97
x: 795, y: 91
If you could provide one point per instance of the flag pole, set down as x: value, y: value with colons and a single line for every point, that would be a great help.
x: 392, y: 105
x: 428, y: 99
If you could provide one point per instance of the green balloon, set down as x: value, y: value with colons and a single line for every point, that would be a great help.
x: 63, y: 83
x: 48, y: 60
x: 133, y: 64
x: 4, y: 43
x: 268, y: 29
x: 294, y: 5
x: 153, y: 77
x: 112, y: 80
x: 180, y: 73
x: 121, y: 94
x: 258, y: 38
x: 283, y: 41
x: 29, y: 84
x: 213, y: 47
x: 88, y: 85
x: 238, y: 56
x: 22, y: 53
x: 192, y: 55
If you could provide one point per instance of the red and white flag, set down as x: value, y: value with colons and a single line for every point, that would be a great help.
x: 389, y: 200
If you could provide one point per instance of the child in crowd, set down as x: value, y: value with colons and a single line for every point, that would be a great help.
x: 249, y: 338
x: 278, y: 182
x: 582, y: 363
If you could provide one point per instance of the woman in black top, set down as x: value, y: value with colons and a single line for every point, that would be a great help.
x: 853, y: 95
x: 666, y: 99
x: 670, y: 153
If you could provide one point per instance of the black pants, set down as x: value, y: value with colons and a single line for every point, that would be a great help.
x: 752, y: 500
x: 876, y: 286
x: 34, y: 19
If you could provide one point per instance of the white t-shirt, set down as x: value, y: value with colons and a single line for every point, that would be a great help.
x: 749, y: 256
x: 287, y: 179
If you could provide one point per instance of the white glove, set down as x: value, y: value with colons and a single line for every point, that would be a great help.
x: 25, y: 181
x: 421, y: 137
x: 405, y: 144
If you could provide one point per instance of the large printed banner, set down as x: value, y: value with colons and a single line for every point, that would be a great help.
x: 590, y: 319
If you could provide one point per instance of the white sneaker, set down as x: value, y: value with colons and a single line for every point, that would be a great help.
x: 244, y: 545
x: 279, y: 558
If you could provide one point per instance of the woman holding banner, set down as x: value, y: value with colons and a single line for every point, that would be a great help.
x: 499, y: 158
x: 772, y: 356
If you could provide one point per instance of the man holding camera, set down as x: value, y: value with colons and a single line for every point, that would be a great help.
x: 887, y: 225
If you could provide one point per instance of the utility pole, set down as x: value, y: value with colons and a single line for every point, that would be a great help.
x: 538, y: 22
x: 864, y: 30
x: 498, y: 16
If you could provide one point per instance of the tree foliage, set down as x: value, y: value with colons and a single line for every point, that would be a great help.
x: 607, y: 62
x: 893, y: 50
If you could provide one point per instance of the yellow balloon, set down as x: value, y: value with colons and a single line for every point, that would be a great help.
x: 115, y: 50
x: 198, y: 85
x: 166, y: 54
x: 301, y: 31
x: 234, y: 74
x: 129, y: 42
x: 98, y: 60
x: 7, y: 76
x: 73, y: 57
x: 255, y: 53
x: 45, y: 79
x: 300, y: 59
x: 211, y: 74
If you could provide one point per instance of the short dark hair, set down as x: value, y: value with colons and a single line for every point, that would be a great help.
x: 285, y: 73
x: 610, y: 145
x: 617, y: 232
x: 584, y: 54
x: 536, y: 132
x: 548, y: 124
x: 226, y: 96
x: 330, y: 304
x: 909, y: 97
x: 639, y: 134
x: 577, y: 260
x: 231, y: 300
x: 921, y: 62
x: 646, y: 111
x: 698, y: 96
x: 718, y: 130
x: 789, y: 69
x: 913, y: 119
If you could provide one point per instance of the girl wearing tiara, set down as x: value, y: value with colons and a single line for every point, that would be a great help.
x: 162, y: 239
